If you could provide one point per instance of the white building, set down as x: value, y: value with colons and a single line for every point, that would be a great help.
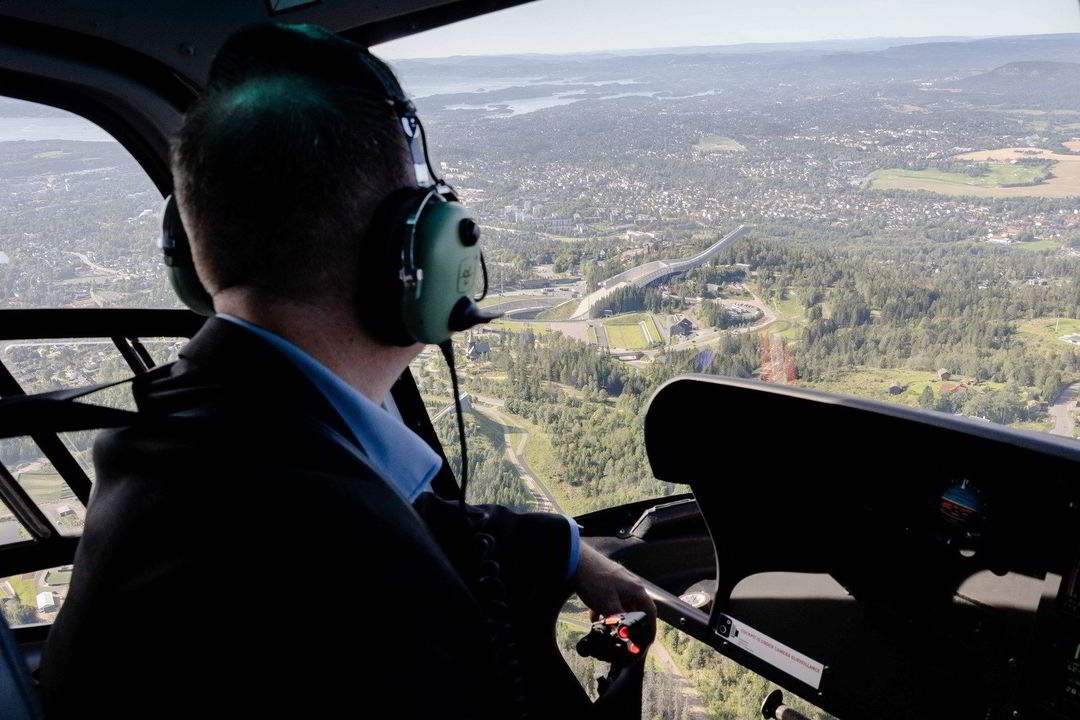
x: 46, y: 601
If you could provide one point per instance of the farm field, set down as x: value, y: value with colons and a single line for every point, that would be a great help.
x: 873, y: 383
x: 45, y: 487
x: 1064, y: 183
x: 960, y: 184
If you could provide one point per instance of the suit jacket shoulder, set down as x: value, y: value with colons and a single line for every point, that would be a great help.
x: 232, y: 552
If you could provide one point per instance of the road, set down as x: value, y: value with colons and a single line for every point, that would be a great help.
x: 708, y: 335
x: 542, y: 497
x: 1064, y: 424
x: 93, y: 265
x: 695, y: 709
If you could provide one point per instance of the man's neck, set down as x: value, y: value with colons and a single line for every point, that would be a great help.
x: 329, y: 333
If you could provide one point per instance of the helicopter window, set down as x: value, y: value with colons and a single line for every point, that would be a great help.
x: 11, y: 530
x: 46, y: 487
x: 34, y: 598
x: 79, y: 230
x: 81, y: 218
x: 869, y: 217
x: 764, y: 212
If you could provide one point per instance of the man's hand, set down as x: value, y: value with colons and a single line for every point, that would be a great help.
x: 608, y: 588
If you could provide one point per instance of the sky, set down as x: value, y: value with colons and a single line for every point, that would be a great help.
x: 562, y: 26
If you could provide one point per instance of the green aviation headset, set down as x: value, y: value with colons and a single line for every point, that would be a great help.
x: 429, y: 270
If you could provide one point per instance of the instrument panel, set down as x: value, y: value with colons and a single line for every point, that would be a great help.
x: 928, y: 564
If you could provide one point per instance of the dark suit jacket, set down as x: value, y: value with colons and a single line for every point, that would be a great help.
x: 240, y: 556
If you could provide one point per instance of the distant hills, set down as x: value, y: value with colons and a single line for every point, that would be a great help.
x: 1028, y: 77
x: 1037, y: 70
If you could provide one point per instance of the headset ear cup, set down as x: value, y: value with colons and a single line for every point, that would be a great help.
x: 176, y: 254
x: 380, y: 293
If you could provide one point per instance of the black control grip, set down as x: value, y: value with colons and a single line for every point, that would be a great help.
x: 617, y: 639
x: 774, y: 708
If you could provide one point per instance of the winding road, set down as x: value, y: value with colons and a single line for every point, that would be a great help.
x: 542, y: 497
x: 1064, y: 424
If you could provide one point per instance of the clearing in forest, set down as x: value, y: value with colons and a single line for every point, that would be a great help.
x: 718, y: 143
x: 1064, y: 179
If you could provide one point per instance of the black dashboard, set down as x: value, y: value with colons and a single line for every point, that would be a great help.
x: 881, y: 561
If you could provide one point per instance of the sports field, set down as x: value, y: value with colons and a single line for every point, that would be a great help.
x: 1065, y: 171
x: 635, y: 331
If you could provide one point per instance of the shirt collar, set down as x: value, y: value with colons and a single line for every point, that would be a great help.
x: 400, y: 455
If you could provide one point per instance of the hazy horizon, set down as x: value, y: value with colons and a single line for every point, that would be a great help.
x: 661, y: 49
x: 561, y: 27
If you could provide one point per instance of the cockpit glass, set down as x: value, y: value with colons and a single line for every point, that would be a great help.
x: 811, y: 194
x: 80, y: 217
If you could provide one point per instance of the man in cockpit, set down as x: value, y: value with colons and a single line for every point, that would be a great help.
x: 266, y: 543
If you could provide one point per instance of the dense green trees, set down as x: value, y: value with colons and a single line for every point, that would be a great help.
x: 491, y: 478
x: 631, y: 298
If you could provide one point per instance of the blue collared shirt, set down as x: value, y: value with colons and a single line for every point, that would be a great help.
x: 400, y: 455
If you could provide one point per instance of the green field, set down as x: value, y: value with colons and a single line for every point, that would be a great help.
x: 790, y: 307
x: 718, y: 143
x: 496, y: 299
x: 873, y: 383
x: 58, y: 577
x: 1046, y: 332
x: 523, y: 325
x: 45, y: 487
x: 624, y: 331
x: 25, y: 589
x: 1037, y: 245
x: 563, y: 311
x: 932, y: 180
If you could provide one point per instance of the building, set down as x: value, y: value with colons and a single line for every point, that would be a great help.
x: 46, y: 602
x: 684, y: 327
x: 476, y: 348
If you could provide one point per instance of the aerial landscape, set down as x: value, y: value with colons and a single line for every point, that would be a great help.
x: 892, y: 219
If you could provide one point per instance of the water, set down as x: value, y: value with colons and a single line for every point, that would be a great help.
x: 11, y: 531
x: 521, y: 106
x: 420, y: 87
x: 51, y: 128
